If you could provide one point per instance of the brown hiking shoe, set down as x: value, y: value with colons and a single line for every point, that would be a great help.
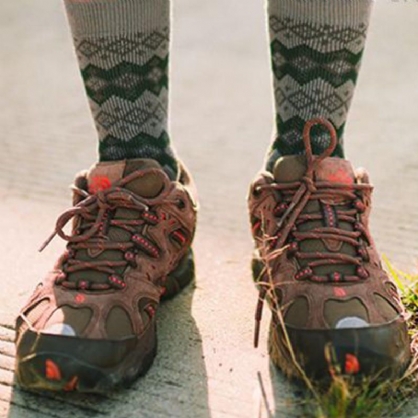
x: 90, y: 325
x: 317, y: 266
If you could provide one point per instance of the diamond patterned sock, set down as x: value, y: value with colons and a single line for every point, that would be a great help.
x: 122, y: 48
x: 316, y: 50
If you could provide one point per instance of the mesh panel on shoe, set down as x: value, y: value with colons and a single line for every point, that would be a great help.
x: 149, y: 185
x: 316, y: 245
x: 385, y: 307
x: 32, y: 314
x: 77, y: 318
x: 291, y: 169
x: 118, y: 324
x: 335, y: 310
x: 297, y: 314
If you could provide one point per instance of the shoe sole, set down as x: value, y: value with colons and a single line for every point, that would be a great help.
x: 48, y: 362
x: 376, y: 351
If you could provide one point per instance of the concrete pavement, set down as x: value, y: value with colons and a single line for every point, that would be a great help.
x: 221, y: 124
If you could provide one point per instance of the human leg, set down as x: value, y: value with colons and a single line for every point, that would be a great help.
x: 123, y: 52
x: 316, y: 51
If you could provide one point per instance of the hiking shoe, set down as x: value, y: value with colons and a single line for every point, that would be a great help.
x: 90, y: 325
x: 334, y: 309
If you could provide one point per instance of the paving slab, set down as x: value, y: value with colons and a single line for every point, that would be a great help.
x: 221, y: 123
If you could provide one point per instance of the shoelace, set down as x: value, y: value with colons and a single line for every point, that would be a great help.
x: 297, y: 195
x: 92, y: 214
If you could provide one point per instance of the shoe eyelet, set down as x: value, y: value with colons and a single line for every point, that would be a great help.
x: 68, y: 254
x: 256, y: 192
x: 60, y: 277
x: 335, y: 277
x: 83, y: 285
x: 363, y: 253
x: 280, y: 209
x: 360, y: 206
x: 292, y: 249
x: 150, y: 310
x: 362, y: 272
x: 181, y: 204
x: 130, y: 257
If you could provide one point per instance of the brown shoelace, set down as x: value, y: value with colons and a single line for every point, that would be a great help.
x: 93, y: 219
x: 296, y: 197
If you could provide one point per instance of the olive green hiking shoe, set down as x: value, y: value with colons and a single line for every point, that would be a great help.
x: 90, y: 325
x: 317, y: 266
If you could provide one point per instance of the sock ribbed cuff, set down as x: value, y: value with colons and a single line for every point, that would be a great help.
x: 123, y: 51
x: 341, y: 13
x: 96, y: 18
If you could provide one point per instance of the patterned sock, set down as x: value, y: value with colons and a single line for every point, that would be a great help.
x: 316, y: 50
x: 122, y: 47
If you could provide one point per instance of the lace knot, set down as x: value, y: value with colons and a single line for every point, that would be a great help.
x: 310, y: 184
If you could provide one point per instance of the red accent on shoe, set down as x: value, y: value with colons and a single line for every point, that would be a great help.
x: 339, y: 292
x: 352, y: 365
x: 71, y: 385
x: 179, y: 236
x: 98, y: 184
x: 79, y: 298
x: 256, y: 226
x: 340, y: 176
x: 52, y: 371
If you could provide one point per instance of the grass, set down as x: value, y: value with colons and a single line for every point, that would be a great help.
x: 369, y: 398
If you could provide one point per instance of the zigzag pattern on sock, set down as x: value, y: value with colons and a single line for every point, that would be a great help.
x: 316, y: 51
x: 129, y: 100
x: 122, y: 48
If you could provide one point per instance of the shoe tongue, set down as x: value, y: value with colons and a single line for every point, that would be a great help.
x: 103, y: 175
x: 334, y: 170
x: 290, y: 169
